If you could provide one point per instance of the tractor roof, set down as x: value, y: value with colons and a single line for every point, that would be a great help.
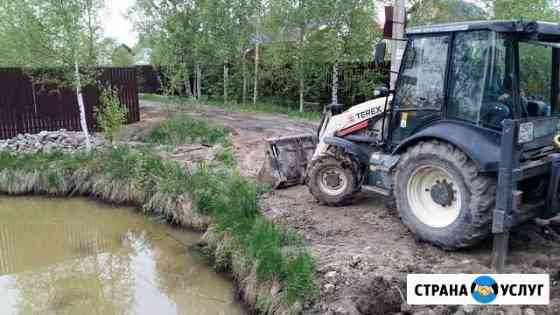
x: 540, y: 29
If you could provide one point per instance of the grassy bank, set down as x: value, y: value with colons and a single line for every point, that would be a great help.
x: 261, y: 107
x: 259, y: 252
x: 182, y: 129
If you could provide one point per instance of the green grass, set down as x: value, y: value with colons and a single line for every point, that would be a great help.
x: 181, y: 129
x: 261, y: 107
x: 230, y: 200
x: 269, y: 108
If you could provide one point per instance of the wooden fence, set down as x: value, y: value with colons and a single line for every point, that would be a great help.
x: 26, y: 108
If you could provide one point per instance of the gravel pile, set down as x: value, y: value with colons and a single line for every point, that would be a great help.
x: 48, y: 141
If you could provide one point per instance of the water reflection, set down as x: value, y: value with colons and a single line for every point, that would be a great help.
x: 75, y: 256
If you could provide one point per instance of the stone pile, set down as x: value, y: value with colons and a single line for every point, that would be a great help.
x: 48, y: 141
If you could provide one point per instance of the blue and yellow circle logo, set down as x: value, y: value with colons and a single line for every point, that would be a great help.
x: 484, y: 289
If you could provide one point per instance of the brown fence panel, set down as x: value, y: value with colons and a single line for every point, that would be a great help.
x: 26, y: 108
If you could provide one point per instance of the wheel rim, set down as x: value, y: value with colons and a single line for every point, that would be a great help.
x: 434, y: 196
x: 333, y: 181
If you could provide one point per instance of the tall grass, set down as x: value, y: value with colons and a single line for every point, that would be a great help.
x: 183, y: 129
x: 141, y: 178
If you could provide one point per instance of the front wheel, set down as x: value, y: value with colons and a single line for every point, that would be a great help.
x: 441, y: 196
x: 331, y: 181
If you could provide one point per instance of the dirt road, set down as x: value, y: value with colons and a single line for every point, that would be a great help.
x: 363, y: 251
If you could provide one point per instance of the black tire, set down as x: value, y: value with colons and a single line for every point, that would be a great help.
x: 477, y: 192
x: 345, y: 168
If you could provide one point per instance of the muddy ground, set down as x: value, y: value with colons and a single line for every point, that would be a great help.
x: 363, y: 251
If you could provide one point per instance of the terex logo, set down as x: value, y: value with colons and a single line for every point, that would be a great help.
x: 460, y: 289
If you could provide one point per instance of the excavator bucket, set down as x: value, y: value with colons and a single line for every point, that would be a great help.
x: 286, y: 160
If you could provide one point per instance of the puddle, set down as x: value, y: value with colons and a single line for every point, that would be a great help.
x: 77, y: 256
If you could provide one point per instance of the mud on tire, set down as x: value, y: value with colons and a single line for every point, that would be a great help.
x: 325, y: 164
x: 472, y: 222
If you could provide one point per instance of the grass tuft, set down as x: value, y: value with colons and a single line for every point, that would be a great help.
x: 183, y: 129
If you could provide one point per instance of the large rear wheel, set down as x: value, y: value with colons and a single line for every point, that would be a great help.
x: 332, y: 181
x: 442, y: 197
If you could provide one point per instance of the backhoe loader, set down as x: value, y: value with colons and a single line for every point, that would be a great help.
x: 467, y: 143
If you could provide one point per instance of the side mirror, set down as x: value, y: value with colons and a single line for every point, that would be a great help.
x: 380, y: 51
x: 380, y: 91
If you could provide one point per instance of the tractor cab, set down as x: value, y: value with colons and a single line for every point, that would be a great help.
x: 475, y: 75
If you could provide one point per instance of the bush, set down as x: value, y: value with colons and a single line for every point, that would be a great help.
x: 111, y: 117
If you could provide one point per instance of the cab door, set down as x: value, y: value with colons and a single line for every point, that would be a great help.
x: 420, y: 89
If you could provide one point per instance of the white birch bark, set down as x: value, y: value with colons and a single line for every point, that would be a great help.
x: 257, y: 57
x: 334, y: 94
x: 244, y: 80
x: 226, y: 79
x: 198, y: 81
x: 81, y: 106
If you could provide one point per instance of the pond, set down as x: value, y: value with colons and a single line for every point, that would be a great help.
x: 77, y: 256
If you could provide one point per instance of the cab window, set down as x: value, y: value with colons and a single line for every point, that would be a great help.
x: 420, y: 88
x: 421, y: 82
x: 535, y: 67
x: 480, y: 88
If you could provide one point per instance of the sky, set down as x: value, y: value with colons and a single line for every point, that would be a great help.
x: 116, y: 24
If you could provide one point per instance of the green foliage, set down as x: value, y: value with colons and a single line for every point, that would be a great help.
x: 182, y: 129
x: 540, y: 10
x: 302, y: 34
x: 122, y: 57
x: 225, y: 155
x: 423, y: 12
x: 111, y: 115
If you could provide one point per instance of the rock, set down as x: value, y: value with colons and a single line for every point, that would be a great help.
x: 331, y: 274
x: 529, y: 311
x: 467, y: 309
x: 329, y: 287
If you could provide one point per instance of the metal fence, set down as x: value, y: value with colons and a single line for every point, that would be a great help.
x: 25, y: 108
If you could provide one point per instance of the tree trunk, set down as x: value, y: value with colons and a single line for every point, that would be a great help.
x: 334, y: 95
x: 81, y: 106
x: 188, y: 88
x: 198, y: 81
x: 257, y: 57
x: 256, y: 87
x: 301, y: 91
x: 226, y: 80
x: 244, y: 81
x: 300, y: 63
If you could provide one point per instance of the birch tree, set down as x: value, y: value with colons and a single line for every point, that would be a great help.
x: 348, y: 36
x: 293, y: 21
x: 57, y: 33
